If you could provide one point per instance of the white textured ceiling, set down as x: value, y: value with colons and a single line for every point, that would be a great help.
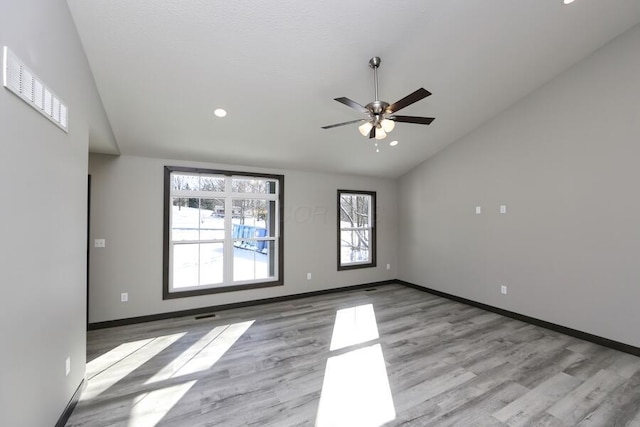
x: 163, y: 66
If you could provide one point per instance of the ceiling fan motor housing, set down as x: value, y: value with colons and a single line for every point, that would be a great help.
x: 377, y: 107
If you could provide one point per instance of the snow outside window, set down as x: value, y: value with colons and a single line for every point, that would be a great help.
x: 356, y: 229
x: 222, y: 231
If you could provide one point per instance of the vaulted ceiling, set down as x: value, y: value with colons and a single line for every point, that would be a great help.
x: 163, y: 66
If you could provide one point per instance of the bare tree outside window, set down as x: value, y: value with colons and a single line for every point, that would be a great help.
x: 222, y: 231
x: 356, y: 229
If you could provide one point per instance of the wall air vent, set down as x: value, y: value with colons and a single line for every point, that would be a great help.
x: 20, y: 80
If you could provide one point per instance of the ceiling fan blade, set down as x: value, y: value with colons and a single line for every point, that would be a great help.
x: 353, y: 104
x: 408, y: 100
x: 372, y: 134
x: 413, y: 119
x: 342, y: 124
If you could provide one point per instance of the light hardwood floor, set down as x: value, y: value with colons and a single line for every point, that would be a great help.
x: 389, y: 356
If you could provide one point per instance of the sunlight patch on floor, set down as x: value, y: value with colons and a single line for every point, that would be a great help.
x: 150, y: 408
x: 128, y: 363
x: 356, y: 390
x: 112, y: 357
x: 203, y: 354
x: 354, y: 325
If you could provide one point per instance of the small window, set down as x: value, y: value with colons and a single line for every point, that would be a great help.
x: 223, y: 231
x: 356, y: 229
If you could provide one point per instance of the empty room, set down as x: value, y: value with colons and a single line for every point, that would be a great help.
x: 290, y: 213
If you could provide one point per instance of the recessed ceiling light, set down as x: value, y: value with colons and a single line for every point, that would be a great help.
x: 568, y: 1
x: 219, y: 112
x: 393, y: 143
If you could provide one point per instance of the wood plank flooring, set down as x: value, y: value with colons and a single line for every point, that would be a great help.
x: 391, y: 356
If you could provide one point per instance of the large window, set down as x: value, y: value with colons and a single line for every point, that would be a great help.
x: 356, y: 229
x: 223, y: 231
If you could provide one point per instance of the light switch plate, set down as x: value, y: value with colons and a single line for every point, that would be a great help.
x: 478, y: 210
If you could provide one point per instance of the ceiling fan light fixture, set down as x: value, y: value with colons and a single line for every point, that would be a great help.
x: 380, y: 133
x: 365, y: 128
x: 387, y: 125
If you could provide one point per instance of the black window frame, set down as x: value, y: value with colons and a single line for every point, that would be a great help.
x: 373, y: 238
x: 166, y: 292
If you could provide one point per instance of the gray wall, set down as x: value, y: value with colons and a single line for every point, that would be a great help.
x: 565, y: 162
x: 127, y: 209
x: 43, y: 226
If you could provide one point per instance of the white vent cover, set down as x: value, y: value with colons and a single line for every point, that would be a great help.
x: 20, y: 80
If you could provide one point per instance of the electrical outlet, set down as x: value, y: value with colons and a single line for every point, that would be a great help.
x: 308, y: 276
x: 124, y: 297
x: 478, y: 210
x: 67, y: 366
x: 503, y: 290
x: 503, y: 209
x: 99, y: 243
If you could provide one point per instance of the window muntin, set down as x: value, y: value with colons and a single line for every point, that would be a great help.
x: 356, y: 229
x: 222, y: 231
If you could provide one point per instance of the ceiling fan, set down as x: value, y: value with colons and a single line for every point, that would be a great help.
x: 381, y: 116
